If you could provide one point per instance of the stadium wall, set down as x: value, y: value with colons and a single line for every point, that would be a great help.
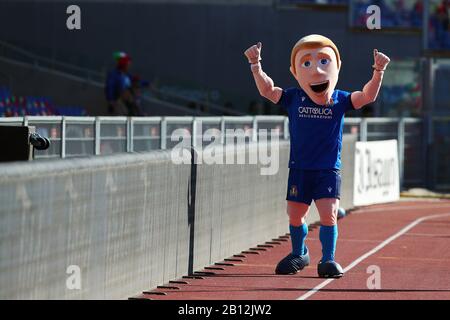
x: 196, y: 45
x: 126, y: 223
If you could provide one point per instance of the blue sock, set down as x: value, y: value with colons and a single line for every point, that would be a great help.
x: 328, y: 237
x: 298, y: 235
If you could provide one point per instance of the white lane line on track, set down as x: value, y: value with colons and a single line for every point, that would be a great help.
x: 402, y: 208
x: 371, y: 252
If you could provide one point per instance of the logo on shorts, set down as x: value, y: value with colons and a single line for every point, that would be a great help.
x: 329, y: 189
x: 293, y: 192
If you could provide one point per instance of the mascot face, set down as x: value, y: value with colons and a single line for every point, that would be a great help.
x: 315, y: 65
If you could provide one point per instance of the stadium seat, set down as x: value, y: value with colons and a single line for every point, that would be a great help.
x: 17, y: 106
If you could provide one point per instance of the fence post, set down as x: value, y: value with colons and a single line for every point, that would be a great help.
x: 428, y: 85
x: 63, y: 137
x: 97, y: 135
x: 255, y: 130
x: 401, y: 148
x: 363, y: 129
x: 194, y: 133
x: 163, y: 142
x: 222, y: 130
x: 130, y: 146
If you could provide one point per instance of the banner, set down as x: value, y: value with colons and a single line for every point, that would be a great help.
x: 376, y: 177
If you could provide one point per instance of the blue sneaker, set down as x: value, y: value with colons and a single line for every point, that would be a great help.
x: 291, y: 264
x: 329, y: 269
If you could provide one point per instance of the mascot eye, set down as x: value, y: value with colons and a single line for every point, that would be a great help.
x: 306, y: 64
x: 324, y: 61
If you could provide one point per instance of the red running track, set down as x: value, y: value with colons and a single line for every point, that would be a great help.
x: 408, y: 241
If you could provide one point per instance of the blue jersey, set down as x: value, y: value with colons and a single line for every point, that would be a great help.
x: 116, y: 82
x: 315, y: 130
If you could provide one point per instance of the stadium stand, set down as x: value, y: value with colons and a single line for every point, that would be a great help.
x: 12, y: 105
x: 395, y: 14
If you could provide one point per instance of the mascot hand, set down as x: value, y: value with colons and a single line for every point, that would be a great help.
x: 380, y: 60
x: 253, y: 53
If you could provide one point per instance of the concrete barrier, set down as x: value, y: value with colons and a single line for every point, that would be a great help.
x: 119, y: 219
x: 126, y: 223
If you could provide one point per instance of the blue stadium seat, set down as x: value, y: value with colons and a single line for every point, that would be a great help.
x: 15, y: 106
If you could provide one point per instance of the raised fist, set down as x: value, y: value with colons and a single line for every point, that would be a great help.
x: 380, y: 60
x: 253, y: 53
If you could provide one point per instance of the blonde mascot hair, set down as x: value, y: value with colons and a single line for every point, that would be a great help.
x: 314, y: 41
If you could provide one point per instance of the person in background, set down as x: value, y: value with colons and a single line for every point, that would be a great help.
x: 118, y: 85
x: 134, y: 104
x: 417, y: 14
x: 442, y: 14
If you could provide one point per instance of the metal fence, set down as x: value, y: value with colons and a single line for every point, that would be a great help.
x: 87, y: 136
x: 441, y: 153
x: 411, y: 143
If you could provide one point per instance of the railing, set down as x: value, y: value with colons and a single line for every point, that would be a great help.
x: 16, y: 53
x: 441, y: 154
x: 409, y: 134
x: 87, y: 136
